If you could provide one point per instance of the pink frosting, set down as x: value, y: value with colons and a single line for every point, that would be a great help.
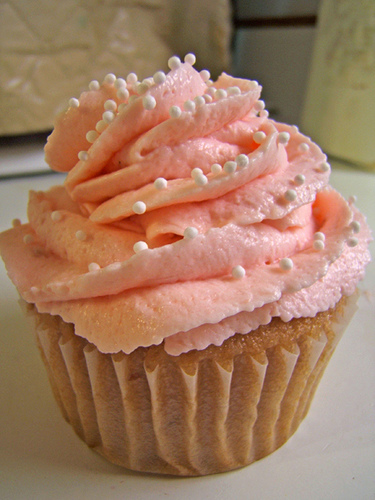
x: 196, y: 287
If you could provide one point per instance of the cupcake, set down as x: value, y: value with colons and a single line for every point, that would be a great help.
x: 190, y: 280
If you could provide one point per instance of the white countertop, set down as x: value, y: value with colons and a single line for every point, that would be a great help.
x: 331, y: 456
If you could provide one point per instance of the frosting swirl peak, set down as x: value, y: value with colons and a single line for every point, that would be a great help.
x: 187, y: 215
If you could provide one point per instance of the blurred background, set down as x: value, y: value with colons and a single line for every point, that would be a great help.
x: 50, y: 50
x: 314, y: 58
x: 273, y: 43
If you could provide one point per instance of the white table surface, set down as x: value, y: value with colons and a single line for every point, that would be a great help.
x: 331, y: 456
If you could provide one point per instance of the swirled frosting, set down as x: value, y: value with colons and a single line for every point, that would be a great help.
x: 187, y: 215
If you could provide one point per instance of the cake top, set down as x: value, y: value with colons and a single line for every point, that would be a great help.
x: 187, y: 215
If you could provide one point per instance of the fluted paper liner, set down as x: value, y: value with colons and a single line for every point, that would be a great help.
x: 194, y: 414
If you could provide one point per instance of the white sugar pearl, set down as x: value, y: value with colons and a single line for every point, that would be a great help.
x: 142, y: 88
x: 92, y: 135
x: 355, y: 226
x: 325, y: 167
x: 189, y: 106
x: 220, y: 94
x: 110, y: 105
x: 196, y: 171
x: 108, y: 116
x: 160, y: 183
x: 259, y: 137
x: 149, y: 102
x: 94, y: 85
x: 139, y: 207
x: 199, y: 101
x: 149, y: 81
x: 159, y: 77
x: 94, y: 266
x: 123, y: 94
x: 174, y: 62
x: 238, y: 272
x: 207, y: 98
x: 190, y: 59
x: 131, y: 79
x: 174, y: 112
x: 190, y: 233
x: 264, y: 113
x: 120, y: 83
x: 101, y: 126
x: 286, y: 264
x: 83, y: 155
x: 233, y: 91
x: 352, y: 242
x: 318, y: 245
x: 253, y: 84
x: 242, y: 160
x: 216, y: 168
x: 205, y: 75
x: 259, y: 105
x: 290, y: 195
x: 303, y: 147
x: 283, y: 138
x: 16, y: 222
x: 132, y: 98
x: 110, y: 78
x: 352, y: 199
x: 56, y: 216
x: 200, y: 180
x: 80, y: 235
x: 73, y: 102
x: 140, y: 246
x: 211, y: 91
x: 319, y: 236
x: 230, y: 167
x: 299, y: 179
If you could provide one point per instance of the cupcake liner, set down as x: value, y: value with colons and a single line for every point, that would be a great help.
x: 202, y: 417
